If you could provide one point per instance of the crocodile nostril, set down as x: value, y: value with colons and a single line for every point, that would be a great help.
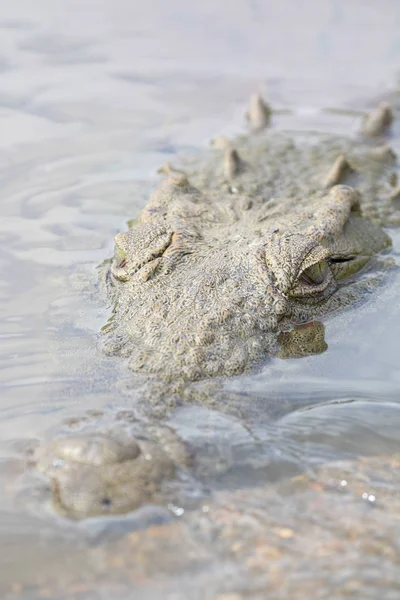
x: 106, y: 502
x: 122, y: 264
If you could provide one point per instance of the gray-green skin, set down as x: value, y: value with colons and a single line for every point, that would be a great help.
x: 267, y: 231
x: 249, y: 239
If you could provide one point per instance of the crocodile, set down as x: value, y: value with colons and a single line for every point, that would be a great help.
x: 264, y: 233
x: 237, y: 255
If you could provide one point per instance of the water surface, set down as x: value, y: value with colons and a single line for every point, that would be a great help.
x: 94, y: 97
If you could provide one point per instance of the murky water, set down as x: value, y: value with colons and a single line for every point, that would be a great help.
x: 94, y: 97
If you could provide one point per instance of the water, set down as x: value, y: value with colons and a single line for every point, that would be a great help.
x: 94, y: 97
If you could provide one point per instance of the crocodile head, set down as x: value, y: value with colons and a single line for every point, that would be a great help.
x: 232, y: 251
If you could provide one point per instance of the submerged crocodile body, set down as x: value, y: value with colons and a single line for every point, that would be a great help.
x: 269, y: 231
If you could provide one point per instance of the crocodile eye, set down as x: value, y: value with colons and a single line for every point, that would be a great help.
x: 315, y: 274
x: 139, y: 248
x: 345, y: 266
x: 314, y: 283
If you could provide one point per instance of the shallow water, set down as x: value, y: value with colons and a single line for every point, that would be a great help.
x: 94, y: 97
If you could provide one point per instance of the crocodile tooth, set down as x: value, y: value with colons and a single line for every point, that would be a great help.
x: 168, y: 169
x: 259, y: 113
x: 338, y: 171
x: 232, y: 163
x: 378, y: 120
x: 178, y: 179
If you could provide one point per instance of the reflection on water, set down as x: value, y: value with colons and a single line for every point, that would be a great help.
x: 93, y: 98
